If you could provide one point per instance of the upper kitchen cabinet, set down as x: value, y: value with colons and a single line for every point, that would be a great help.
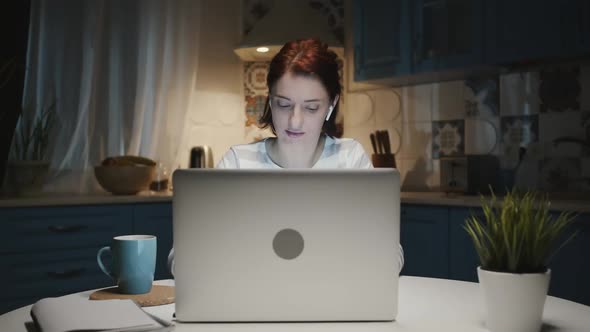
x: 421, y: 41
x: 522, y: 31
x: 447, y: 34
x: 382, y: 39
x: 575, y: 26
x: 401, y: 38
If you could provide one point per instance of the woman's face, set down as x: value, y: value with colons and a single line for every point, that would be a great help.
x: 299, y: 105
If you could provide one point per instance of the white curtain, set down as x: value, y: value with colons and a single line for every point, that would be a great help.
x: 121, y: 73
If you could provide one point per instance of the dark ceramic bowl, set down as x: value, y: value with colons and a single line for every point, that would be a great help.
x: 124, y: 180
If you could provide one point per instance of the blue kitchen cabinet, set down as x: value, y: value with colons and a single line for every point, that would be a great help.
x: 382, y: 39
x: 463, y: 261
x: 424, y: 238
x: 570, y: 268
x: 402, y: 38
x: 522, y: 31
x: 421, y: 41
x: 575, y: 26
x: 156, y: 219
x: 51, y: 251
x: 447, y: 34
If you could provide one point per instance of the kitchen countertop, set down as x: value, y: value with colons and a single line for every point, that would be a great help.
x: 60, y: 199
x: 558, y: 202
x: 576, y: 204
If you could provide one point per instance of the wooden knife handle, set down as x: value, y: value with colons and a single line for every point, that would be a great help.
x: 373, y: 143
x: 386, y: 142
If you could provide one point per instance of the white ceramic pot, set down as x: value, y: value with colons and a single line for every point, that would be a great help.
x: 514, y: 302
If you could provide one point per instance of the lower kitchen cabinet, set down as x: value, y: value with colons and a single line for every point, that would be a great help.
x: 156, y: 219
x: 51, y: 251
x: 570, y: 267
x: 463, y: 260
x: 424, y: 238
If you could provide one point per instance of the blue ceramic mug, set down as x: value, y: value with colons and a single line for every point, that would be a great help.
x: 134, y: 262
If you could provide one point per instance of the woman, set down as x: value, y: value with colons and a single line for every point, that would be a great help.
x: 304, y: 90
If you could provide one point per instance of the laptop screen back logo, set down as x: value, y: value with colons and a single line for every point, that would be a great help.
x: 288, y: 243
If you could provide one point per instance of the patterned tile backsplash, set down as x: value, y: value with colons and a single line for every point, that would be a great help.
x: 537, y: 123
x: 520, y: 130
x: 559, y: 89
x: 448, y: 138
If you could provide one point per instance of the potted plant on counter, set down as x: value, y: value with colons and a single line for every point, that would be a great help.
x: 515, y: 240
x: 28, y: 168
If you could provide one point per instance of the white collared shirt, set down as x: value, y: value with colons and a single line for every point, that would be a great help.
x: 337, y: 153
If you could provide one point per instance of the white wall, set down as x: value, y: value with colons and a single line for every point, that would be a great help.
x: 216, y: 116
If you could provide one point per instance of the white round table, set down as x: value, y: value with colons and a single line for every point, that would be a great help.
x: 425, y: 304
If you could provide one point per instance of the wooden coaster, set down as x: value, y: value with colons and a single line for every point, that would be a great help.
x: 157, y: 296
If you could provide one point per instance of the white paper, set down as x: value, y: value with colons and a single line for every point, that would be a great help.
x: 71, y: 313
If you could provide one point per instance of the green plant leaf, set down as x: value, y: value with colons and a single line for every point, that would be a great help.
x: 517, y: 234
x: 32, y: 135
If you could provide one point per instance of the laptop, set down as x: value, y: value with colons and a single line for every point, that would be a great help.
x: 286, y: 245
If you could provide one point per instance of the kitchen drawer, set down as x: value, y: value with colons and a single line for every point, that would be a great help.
x: 29, y: 277
x: 51, y: 228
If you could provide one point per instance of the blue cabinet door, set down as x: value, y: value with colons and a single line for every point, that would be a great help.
x: 522, y: 31
x: 575, y: 21
x: 463, y: 261
x: 156, y: 219
x: 382, y: 39
x: 424, y: 238
x: 448, y: 34
x: 570, y: 268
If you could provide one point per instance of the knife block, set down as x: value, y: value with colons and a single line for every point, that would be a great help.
x: 386, y: 160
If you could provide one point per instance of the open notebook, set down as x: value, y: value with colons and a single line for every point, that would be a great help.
x: 71, y: 313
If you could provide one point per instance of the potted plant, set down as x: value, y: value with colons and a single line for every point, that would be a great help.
x: 28, y: 168
x: 515, y: 240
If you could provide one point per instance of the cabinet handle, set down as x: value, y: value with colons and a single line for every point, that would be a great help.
x: 66, y: 229
x: 66, y: 274
x: 357, y: 59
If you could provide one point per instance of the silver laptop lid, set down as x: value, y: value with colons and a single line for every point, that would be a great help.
x: 286, y: 245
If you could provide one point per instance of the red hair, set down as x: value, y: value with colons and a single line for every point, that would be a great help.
x: 305, y: 57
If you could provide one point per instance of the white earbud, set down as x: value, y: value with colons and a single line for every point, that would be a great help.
x: 330, y: 109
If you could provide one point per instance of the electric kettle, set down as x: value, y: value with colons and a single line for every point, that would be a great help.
x: 201, y: 157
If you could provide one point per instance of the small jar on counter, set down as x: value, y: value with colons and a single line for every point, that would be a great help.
x: 161, y: 180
